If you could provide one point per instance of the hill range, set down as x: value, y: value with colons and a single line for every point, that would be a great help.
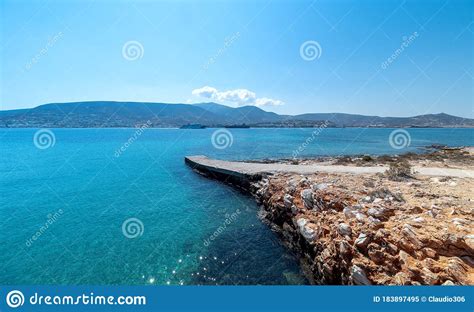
x: 106, y: 114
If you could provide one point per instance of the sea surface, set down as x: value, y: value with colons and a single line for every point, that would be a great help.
x: 119, y: 206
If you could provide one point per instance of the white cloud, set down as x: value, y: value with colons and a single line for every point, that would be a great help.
x: 236, y: 97
x: 268, y: 102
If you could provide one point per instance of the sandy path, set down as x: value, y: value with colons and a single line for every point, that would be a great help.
x: 256, y: 168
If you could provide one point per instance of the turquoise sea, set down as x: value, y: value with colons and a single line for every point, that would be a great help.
x: 117, y: 206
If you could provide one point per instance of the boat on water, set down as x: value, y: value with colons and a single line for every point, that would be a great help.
x: 193, y: 126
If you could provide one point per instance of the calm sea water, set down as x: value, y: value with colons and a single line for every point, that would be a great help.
x: 63, y: 208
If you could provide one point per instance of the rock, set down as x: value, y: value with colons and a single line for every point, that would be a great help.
x: 448, y: 283
x: 456, y: 269
x: 308, y: 233
x: 348, y: 213
x: 461, y: 222
x: 452, y: 183
x: 429, y: 278
x: 375, y: 212
x: 409, y: 233
x: 403, y: 257
x: 377, y: 256
x: 294, y: 209
x: 374, y: 221
x: 320, y: 186
x: 292, y: 185
x: 361, y: 217
x: 307, y: 197
x: 469, y: 240
x: 401, y: 279
x: 344, y: 229
x: 419, y: 221
x: 429, y: 252
x: 432, y: 213
x: 288, y: 201
x: 367, y: 199
x: 358, y: 276
x: 304, y: 181
x: 362, y: 241
x: 378, y: 200
x: 345, y: 249
x: 380, y: 213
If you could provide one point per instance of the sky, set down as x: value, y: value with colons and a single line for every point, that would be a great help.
x: 386, y: 58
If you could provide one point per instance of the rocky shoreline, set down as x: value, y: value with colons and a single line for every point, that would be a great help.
x: 395, y: 228
x: 367, y: 229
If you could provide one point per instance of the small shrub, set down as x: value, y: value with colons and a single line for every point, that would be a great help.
x: 399, y: 171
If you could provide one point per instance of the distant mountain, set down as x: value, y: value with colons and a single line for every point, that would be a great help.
x: 350, y: 120
x: 241, y: 115
x: 132, y: 114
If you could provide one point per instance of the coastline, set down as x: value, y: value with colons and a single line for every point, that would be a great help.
x: 370, y: 228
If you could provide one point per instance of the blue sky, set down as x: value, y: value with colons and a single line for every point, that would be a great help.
x: 388, y: 58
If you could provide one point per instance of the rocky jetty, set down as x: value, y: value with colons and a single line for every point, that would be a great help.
x: 370, y: 228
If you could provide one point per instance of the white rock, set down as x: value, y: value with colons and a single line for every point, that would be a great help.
x: 307, y: 197
x: 344, y: 229
x: 288, y: 200
x: 374, y: 220
x: 348, y: 213
x: 469, y: 239
x: 375, y: 212
x: 419, y: 220
x: 320, y: 186
x: 459, y: 221
x: 362, y: 240
x: 367, y: 199
x: 308, y: 233
x: 361, y: 217
x: 358, y: 276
